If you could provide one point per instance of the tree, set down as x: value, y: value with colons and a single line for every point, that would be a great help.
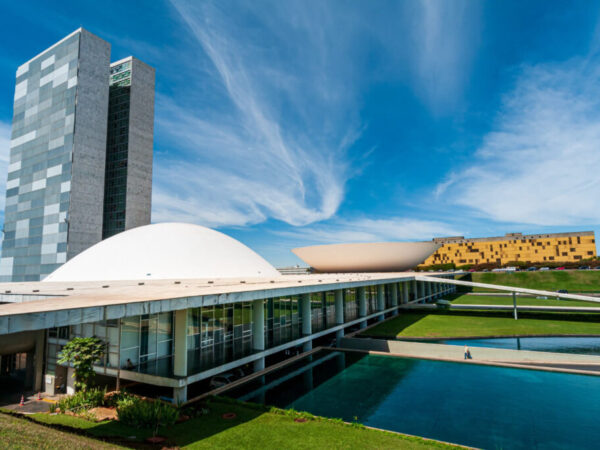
x: 83, y: 353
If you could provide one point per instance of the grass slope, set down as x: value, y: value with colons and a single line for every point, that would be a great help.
x: 20, y: 433
x: 472, y: 324
x: 253, y: 428
x: 507, y: 300
x: 572, y: 280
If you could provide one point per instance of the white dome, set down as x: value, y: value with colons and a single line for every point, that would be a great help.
x: 165, y: 251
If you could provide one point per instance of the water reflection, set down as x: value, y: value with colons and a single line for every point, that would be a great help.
x: 481, y: 406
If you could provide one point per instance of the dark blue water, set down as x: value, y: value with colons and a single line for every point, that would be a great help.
x: 481, y: 406
x: 582, y: 345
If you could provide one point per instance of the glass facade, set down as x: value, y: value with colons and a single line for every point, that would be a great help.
x: 371, y: 292
x: 218, y: 334
x: 107, y: 331
x: 215, y: 335
x: 329, y: 309
x: 350, y: 305
x: 117, y: 145
x: 388, y: 295
x: 316, y: 315
x: 283, y: 320
x: 39, y: 170
x: 147, y: 343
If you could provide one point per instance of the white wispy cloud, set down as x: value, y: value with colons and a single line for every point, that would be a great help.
x: 273, y: 137
x: 368, y: 230
x: 446, y: 37
x: 541, y: 162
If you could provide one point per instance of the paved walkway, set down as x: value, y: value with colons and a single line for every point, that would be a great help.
x: 454, y: 306
x: 509, y: 294
x: 548, y: 360
x: 32, y: 404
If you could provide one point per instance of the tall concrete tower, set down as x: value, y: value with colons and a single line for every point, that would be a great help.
x: 128, y: 192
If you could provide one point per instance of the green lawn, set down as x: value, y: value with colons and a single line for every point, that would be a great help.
x: 507, y: 300
x: 22, y: 434
x: 572, y: 280
x: 442, y: 324
x: 253, y: 428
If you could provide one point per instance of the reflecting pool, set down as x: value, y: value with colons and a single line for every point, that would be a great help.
x: 481, y: 406
x: 582, y: 345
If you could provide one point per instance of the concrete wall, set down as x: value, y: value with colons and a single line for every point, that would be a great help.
x: 138, y: 202
x: 89, y: 145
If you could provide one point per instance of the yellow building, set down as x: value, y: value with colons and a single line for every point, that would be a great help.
x: 532, y: 248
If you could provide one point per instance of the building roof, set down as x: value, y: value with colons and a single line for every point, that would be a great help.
x: 164, y: 251
x: 372, y: 257
x: 57, y: 304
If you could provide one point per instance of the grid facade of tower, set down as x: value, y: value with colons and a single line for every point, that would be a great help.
x: 56, y: 167
x: 59, y: 148
x: 128, y: 180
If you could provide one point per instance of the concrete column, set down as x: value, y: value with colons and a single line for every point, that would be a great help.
x: 362, y: 305
x: 514, y: 296
x: 380, y: 300
x: 429, y: 292
x: 405, y: 287
x: 394, y: 289
x: 339, y: 314
x: 179, y: 394
x: 415, y: 289
x: 306, y: 314
x: 258, y: 325
x: 258, y: 331
x: 306, y: 320
x: 38, y: 361
x: 180, y: 352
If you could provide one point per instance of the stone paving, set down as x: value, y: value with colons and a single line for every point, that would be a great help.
x: 549, y: 360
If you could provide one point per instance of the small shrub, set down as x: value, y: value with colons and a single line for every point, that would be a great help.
x: 114, y: 398
x: 140, y: 413
x: 82, y: 400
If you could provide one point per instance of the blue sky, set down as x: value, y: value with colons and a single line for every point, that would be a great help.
x: 290, y: 123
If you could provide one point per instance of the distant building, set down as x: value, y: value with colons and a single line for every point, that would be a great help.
x: 531, y: 248
x: 295, y: 270
x: 55, y: 193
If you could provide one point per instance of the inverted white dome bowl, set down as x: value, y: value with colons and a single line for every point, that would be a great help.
x: 375, y: 257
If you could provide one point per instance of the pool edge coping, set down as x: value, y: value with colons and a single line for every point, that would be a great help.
x: 514, y: 365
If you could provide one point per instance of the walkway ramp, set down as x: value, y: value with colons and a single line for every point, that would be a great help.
x: 547, y: 360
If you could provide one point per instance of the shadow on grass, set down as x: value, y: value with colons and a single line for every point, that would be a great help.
x: 215, y: 422
x: 181, y: 434
x: 390, y: 328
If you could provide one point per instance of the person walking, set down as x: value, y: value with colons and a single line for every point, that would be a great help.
x: 467, y: 353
